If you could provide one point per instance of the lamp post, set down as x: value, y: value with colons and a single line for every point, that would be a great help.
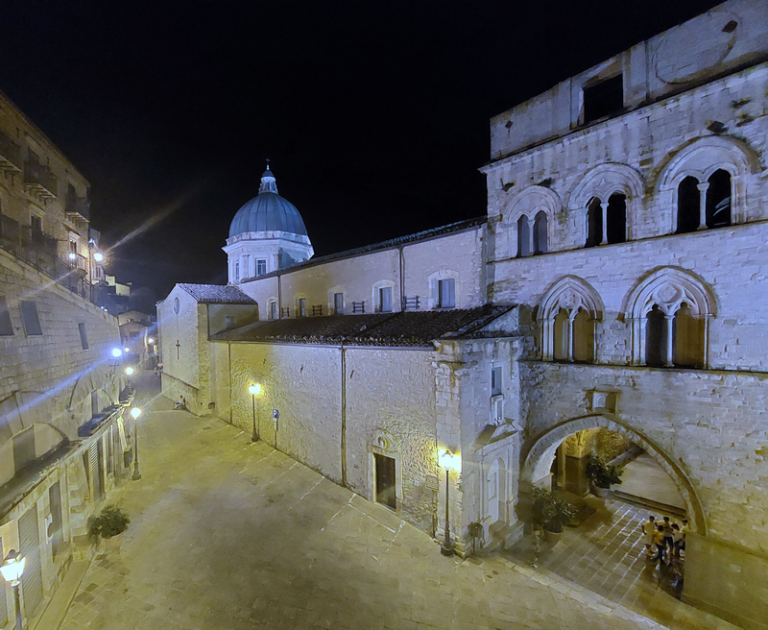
x: 448, y: 461
x: 128, y: 373
x: 135, y: 413
x: 255, y: 390
x: 12, y: 570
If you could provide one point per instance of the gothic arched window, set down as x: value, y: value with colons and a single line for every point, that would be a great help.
x: 540, y: 233
x: 617, y: 218
x: 655, y: 337
x: 583, y: 337
x: 719, y: 199
x: 687, y: 338
x: 688, y: 205
x: 594, y: 223
x: 562, y: 341
x: 523, y: 237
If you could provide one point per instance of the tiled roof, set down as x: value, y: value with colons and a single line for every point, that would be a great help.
x: 393, y: 242
x: 217, y: 294
x: 410, y: 328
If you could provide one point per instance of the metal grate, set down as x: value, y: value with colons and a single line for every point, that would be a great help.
x: 412, y: 303
x: 358, y: 307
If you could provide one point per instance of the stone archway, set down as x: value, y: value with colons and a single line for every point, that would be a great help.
x: 540, y: 455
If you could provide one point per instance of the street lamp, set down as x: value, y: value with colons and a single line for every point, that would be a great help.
x: 128, y: 371
x: 255, y: 390
x: 12, y: 570
x: 117, y: 353
x: 449, y: 461
x: 135, y: 413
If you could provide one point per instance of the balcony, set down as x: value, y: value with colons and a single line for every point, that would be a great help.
x: 10, y: 154
x: 40, y: 250
x: 39, y: 180
x: 78, y: 208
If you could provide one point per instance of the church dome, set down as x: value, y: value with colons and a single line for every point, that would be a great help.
x: 267, y: 212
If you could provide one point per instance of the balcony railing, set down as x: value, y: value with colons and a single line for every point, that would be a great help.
x: 40, y: 250
x: 40, y: 179
x: 10, y: 154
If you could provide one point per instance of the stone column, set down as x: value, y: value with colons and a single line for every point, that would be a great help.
x: 531, y: 228
x: 571, y: 341
x: 669, y: 319
x: 604, y: 237
x: 703, y: 205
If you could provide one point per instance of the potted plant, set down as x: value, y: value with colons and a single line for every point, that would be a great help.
x: 110, y: 525
x: 551, y: 513
x: 602, y: 476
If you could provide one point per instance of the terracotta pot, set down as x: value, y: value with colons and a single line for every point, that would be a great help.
x: 113, y: 543
x: 603, y: 493
x: 552, y: 537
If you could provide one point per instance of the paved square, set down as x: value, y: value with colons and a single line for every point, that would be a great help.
x: 228, y: 535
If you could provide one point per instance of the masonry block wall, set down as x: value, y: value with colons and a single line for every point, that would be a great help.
x: 49, y: 379
x: 411, y: 269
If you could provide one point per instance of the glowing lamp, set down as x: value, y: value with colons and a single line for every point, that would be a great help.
x: 72, y: 255
x: 127, y: 349
x: 129, y: 370
x: 13, y: 567
x: 449, y: 461
x: 135, y: 413
x: 117, y: 353
x: 98, y: 256
x: 150, y: 340
x: 255, y: 389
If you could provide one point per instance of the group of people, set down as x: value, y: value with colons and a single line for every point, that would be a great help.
x: 664, y: 540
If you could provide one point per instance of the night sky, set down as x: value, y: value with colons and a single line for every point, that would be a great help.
x: 374, y: 114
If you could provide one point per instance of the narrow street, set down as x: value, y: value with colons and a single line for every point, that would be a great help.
x: 229, y: 535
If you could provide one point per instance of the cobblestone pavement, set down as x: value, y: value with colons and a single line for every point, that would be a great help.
x: 606, y: 555
x: 228, y: 535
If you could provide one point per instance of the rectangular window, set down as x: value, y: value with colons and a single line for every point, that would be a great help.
x: 273, y: 310
x: 385, y: 299
x: 496, y: 381
x: 37, y: 224
x: 83, y: 336
x: 446, y: 293
x: 338, y: 303
x: 302, y: 307
x: 237, y: 271
x: 6, y: 326
x: 30, y: 318
x: 603, y: 99
x: 261, y: 267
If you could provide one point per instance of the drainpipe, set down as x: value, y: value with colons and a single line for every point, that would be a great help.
x: 229, y: 380
x: 279, y: 299
x: 402, y: 278
x: 343, y: 356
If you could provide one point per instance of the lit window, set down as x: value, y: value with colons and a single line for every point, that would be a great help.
x: 446, y: 293
x: 261, y: 267
x: 338, y: 303
x: 385, y: 299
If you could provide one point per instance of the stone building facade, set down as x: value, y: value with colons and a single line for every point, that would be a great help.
x: 62, y: 439
x: 617, y: 282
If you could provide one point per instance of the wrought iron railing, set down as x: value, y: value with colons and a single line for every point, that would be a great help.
x: 36, y: 173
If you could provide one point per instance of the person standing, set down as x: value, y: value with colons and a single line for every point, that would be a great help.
x: 677, y: 537
x: 669, y: 539
x: 648, y: 528
x: 658, y: 541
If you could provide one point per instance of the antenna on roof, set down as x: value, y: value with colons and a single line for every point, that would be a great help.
x: 268, y: 163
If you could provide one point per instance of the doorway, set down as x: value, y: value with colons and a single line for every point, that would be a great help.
x: 386, y: 482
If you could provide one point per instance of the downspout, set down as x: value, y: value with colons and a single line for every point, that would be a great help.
x: 343, y: 357
x: 402, y: 278
x: 279, y: 299
x: 229, y: 380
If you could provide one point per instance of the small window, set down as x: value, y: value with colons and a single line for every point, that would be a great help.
x: 30, y: 318
x: 540, y: 233
x: 655, y: 338
x: 302, y: 310
x: 603, y: 99
x: 273, y: 310
x: 83, y: 336
x: 37, y: 224
x: 176, y: 305
x: 261, y: 267
x: 446, y: 293
x: 6, y: 326
x: 719, y: 199
x: 562, y: 339
x: 385, y: 299
x: 594, y: 223
x: 688, y: 205
x: 338, y: 303
x: 496, y: 381
x: 237, y: 271
x: 617, y: 218
x: 229, y: 321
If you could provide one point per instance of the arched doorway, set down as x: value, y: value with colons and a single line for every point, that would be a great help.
x: 539, y: 457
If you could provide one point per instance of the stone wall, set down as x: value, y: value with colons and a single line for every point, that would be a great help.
x: 50, y: 378
x: 700, y: 49
x: 411, y: 270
